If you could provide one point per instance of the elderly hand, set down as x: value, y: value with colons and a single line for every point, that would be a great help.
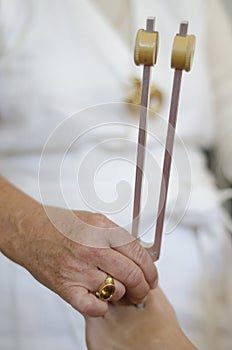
x: 74, y: 266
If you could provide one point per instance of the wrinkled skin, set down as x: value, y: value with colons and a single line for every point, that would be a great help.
x: 73, y: 264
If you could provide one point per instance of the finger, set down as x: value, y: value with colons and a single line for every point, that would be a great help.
x: 87, y: 303
x: 140, y: 256
x: 126, y: 271
x: 120, y: 240
x: 120, y: 291
x: 126, y: 244
x: 95, y: 279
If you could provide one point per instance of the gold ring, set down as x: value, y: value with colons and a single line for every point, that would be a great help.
x: 106, y: 290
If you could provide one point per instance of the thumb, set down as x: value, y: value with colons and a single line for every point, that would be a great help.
x: 85, y: 302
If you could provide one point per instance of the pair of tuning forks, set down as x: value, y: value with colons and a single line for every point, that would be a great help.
x: 145, y: 53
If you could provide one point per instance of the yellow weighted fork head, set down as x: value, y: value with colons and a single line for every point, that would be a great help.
x: 146, y: 48
x: 183, y: 52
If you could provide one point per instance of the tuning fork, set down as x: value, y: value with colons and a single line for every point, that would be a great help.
x: 145, y: 53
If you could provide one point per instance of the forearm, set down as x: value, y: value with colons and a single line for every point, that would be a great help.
x: 15, y: 207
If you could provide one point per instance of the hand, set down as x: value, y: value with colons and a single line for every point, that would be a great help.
x: 129, y: 328
x: 75, y: 268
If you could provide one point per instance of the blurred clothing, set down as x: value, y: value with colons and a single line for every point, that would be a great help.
x: 74, y: 58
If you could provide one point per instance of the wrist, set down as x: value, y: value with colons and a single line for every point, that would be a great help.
x: 15, y: 209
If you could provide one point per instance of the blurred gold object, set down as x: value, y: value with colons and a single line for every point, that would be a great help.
x: 134, y: 99
x: 106, y: 290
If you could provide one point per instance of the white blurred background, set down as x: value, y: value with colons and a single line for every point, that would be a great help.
x: 228, y: 4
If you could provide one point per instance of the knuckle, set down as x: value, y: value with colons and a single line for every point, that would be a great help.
x: 137, y: 287
x: 134, y: 278
x: 99, y: 220
x: 140, y: 253
x: 102, y: 221
x: 99, y: 217
x: 142, y: 258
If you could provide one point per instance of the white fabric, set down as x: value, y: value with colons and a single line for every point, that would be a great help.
x: 58, y: 58
x: 219, y: 53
